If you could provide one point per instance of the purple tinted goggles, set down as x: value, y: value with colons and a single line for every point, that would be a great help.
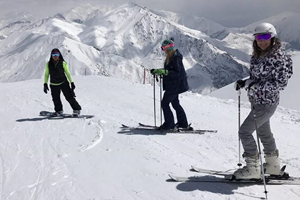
x: 265, y: 36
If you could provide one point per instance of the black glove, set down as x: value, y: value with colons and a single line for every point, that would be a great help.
x: 239, y: 84
x: 72, y: 86
x: 152, y: 71
x: 46, y: 89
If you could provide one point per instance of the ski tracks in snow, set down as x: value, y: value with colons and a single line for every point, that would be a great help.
x: 99, y: 135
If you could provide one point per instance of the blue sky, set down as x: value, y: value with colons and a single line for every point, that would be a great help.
x: 231, y: 13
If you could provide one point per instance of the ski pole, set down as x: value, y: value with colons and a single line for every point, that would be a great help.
x: 154, y: 100
x: 239, y: 126
x: 160, y: 83
x: 259, y: 153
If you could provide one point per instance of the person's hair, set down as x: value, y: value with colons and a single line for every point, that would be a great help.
x: 169, y: 54
x: 51, y: 61
x: 258, y: 52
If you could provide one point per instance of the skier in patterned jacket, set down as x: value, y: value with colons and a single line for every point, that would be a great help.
x: 60, y: 80
x: 270, y: 70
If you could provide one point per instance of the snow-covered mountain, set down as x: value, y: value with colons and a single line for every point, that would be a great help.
x: 120, y: 42
x: 13, y: 22
x: 287, y: 27
x: 206, y: 26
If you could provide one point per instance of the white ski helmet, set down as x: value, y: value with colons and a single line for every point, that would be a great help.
x: 265, y: 28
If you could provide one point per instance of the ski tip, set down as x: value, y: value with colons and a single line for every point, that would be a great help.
x: 172, y: 176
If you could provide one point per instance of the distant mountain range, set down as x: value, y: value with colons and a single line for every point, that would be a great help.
x: 122, y: 41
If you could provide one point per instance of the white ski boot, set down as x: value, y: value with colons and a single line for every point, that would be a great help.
x: 252, y: 169
x: 272, y: 164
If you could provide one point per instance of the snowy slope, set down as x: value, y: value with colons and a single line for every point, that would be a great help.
x: 84, y: 159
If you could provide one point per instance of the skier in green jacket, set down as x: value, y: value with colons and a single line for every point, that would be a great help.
x: 60, y: 79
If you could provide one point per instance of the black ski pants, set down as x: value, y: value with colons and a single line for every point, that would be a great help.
x: 66, y: 90
x: 168, y: 115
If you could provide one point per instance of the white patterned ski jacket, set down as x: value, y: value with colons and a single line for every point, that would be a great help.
x: 270, y: 74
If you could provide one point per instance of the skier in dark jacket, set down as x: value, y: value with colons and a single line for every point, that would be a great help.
x: 60, y: 78
x: 174, y: 83
x: 270, y: 70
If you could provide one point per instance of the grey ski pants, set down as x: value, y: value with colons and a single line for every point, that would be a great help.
x: 263, y: 115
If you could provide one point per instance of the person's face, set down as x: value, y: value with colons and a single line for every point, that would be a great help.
x: 263, y: 41
x: 164, y: 48
x: 55, y: 56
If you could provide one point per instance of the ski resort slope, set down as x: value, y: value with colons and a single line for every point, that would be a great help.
x: 93, y: 159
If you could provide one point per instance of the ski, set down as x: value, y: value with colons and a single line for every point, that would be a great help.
x: 138, y: 127
x: 181, y: 129
x: 212, y: 172
x: 228, y: 173
x: 145, y: 125
x: 51, y: 115
x: 214, y: 179
x: 218, y: 176
x: 152, y: 128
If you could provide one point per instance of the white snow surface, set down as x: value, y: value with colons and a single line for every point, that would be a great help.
x: 93, y: 159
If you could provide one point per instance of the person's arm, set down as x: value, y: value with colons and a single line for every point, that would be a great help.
x: 282, y: 73
x: 67, y: 72
x: 46, y: 76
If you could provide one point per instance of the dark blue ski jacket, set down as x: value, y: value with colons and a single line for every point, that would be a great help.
x: 176, y: 81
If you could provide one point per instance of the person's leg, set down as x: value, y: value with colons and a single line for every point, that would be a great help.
x: 168, y: 115
x: 267, y: 138
x: 69, y: 97
x: 272, y: 165
x: 181, y: 116
x: 55, y: 93
x: 261, y: 120
x: 248, y: 127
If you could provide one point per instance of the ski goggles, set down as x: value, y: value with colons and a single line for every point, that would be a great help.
x: 55, y: 54
x: 166, y: 46
x: 265, y: 36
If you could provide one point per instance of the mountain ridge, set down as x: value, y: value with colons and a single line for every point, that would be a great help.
x: 124, y: 40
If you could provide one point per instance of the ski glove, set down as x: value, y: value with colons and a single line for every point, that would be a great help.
x: 46, y: 89
x: 239, y: 84
x: 247, y: 84
x: 159, y: 72
x: 72, y: 86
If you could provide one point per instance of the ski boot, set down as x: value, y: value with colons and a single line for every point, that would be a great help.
x: 251, y: 170
x: 272, y: 164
